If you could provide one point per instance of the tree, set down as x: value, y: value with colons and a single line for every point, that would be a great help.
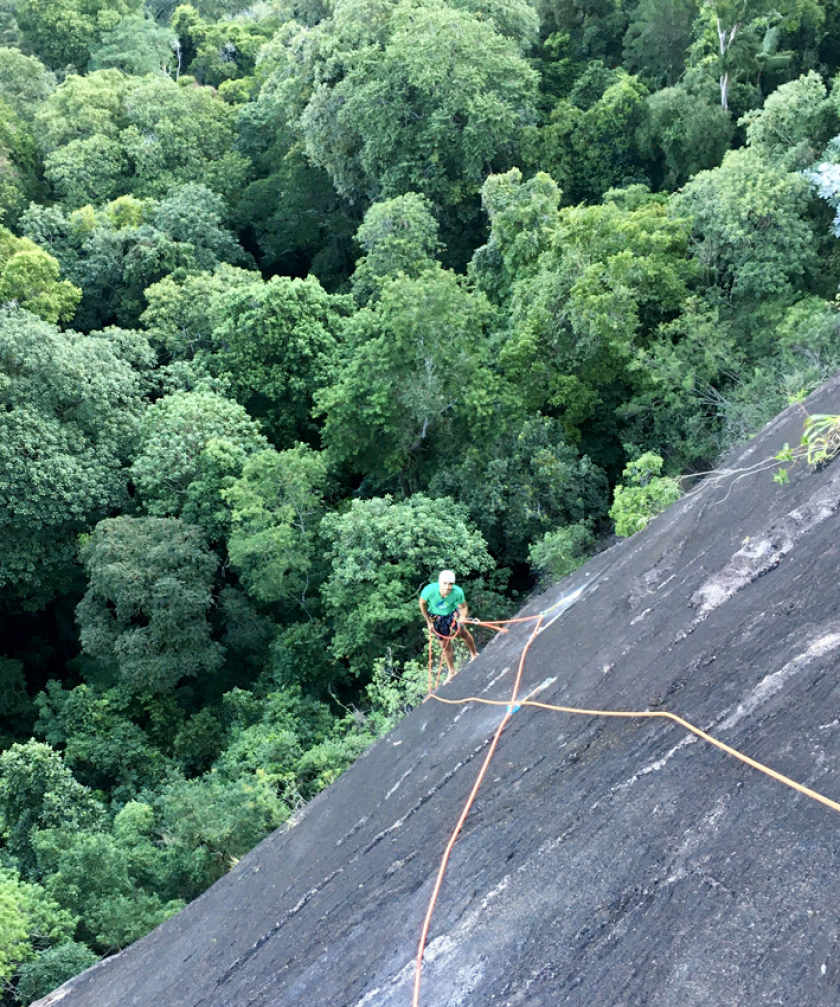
x: 382, y: 553
x: 37, y: 792
x: 613, y: 274
x: 24, y: 81
x: 247, y: 637
x: 277, y: 342
x: 119, y: 251
x: 303, y: 226
x: 398, y: 235
x: 275, y: 510
x: 606, y: 137
x: 595, y: 27
x: 643, y: 495
x: 681, y: 135
x: 71, y: 405
x: 82, y: 107
x: 59, y: 233
x: 192, y: 447
x: 145, y: 609
x: 588, y: 144
x: 270, y: 749
x: 657, y: 39
x: 675, y: 407
x: 176, y: 135
x: 412, y: 386
x: 19, y: 181
x: 29, y: 922
x: 524, y: 221
x: 796, y: 122
x: 100, y: 743
x: 301, y: 223
x: 29, y: 279
x: 88, y: 170
x: 560, y: 552
x: 60, y: 31
x: 270, y: 733
x: 51, y: 968
x: 193, y: 214
x: 212, y: 822
x: 741, y: 35
x: 593, y: 83
x: 115, y: 266
x: 515, y: 19
x: 91, y: 876
x: 429, y: 98
x: 551, y: 148
x: 826, y: 180
x: 137, y: 45
x: 16, y: 708
x: 182, y: 312
x: 525, y: 482
x: 167, y: 135
x: 436, y: 72
x: 220, y: 51
x: 749, y: 229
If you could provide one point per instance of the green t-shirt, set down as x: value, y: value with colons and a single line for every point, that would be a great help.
x: 442, y: 606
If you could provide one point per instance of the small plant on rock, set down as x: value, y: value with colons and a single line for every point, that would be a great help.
x: 819, y: 445
x: 643, y: 494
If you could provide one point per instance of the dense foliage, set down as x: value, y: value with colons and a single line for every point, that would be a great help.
x: 304, y: 300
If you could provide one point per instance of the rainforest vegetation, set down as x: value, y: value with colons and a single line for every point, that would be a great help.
x: 304, y: 300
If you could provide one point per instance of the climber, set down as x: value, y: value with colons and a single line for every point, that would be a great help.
x: 444, y: 608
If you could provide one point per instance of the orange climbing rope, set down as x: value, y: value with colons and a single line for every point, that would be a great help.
x: 834, y: 805
x: 469, y: 803
x: 512, y: 705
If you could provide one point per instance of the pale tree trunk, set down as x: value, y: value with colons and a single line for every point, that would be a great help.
x: 725, y: 40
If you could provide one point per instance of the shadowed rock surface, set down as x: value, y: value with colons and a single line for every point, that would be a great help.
x: 606, y: 862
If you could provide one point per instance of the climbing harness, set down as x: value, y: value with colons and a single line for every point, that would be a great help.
x: 435, y: 634
x: 446, y: 627
x: 515, y: 704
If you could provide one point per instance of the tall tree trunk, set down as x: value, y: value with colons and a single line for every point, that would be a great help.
x: 725, y: 40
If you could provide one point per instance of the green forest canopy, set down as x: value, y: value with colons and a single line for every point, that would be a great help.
x: 304, y: 300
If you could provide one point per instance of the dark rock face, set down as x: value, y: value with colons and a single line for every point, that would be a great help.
x: 605, y: 862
